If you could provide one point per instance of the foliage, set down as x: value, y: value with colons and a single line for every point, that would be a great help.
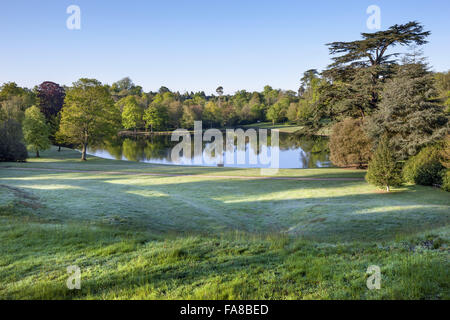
x: 124, y: 88
x: 132, y: 113
x: 50, y: 100
x: 88, y: 115
x: 14, y: 108
x: 349, y: 144
x: 425, y: 168
x: 277, y: 112
x: 14, y: 100
x: 212, y: 114
x: 446, y: 180
x: 36, y: 130
x: 155, y: 117
x: 408, y: 115
x: 366, y: 63
x: 11, y: 137
x: 445, y: 153
x: 383, y: 169
x: 50, y: 97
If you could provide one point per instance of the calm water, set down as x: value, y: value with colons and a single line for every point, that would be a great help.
x: 294, y: 152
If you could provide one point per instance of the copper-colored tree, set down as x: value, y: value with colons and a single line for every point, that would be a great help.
x: 349, y: 145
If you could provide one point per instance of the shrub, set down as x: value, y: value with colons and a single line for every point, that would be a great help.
x: 383, y: 169
x: 425, y: 168
x: 349, y: 145
x: 11, y: 146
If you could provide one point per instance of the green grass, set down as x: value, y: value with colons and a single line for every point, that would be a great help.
x: 286, y: 127
x: 206, y: 237
x: 282, y: 127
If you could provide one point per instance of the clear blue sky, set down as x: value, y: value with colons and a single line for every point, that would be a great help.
x: 196, y: 45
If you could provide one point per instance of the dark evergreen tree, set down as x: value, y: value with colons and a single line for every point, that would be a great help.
x: 365, y: 64
x: 409, y: 113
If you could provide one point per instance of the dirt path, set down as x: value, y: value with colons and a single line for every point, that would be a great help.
x: 184, y: 175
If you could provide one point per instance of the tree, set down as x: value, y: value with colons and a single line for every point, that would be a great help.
x: 277, y: 111
x: 36, y: 131
x: 132, y: 114
x: 292, y: 112
x: 14, y: 108
x: 219, y: 91
x: 409, y: 114
x: 11, y: 137
x: 50, y: 97
x: 124, y: 88
x: 445, y: 154
x: 308, y: 77
x: 50, y: 100
x: 212, y: 113
x: 88, y: 115
x: 367, y: 62
x: 155, y: 117
x: 349, y: 144
x: 9, y: 90
x: 383, y: 169
x: 163, y: 90
x: 14, y: 100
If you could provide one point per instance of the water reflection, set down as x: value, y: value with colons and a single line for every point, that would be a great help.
x: 294, y: 151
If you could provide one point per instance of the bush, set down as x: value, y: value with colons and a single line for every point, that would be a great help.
x: 11, y: 146
x: 425, y: 168
x: 349, y: 145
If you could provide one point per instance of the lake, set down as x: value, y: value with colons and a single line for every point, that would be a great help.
x: 294, y: 152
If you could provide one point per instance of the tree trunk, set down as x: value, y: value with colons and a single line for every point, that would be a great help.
x: 83, y: 152
x: 37, y: 153
x: 59, y: 148
x: 387, y: 188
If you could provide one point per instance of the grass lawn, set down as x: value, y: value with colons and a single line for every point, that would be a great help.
x: 285, y: 127
x: 282, y: 127
x: 211, y: 236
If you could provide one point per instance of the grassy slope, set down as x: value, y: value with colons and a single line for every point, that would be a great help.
x: 202, y: 237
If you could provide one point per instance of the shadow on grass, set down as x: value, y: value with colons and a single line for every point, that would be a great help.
x: 312, y: 209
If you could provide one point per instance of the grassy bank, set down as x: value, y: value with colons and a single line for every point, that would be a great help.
x: 206, y: 236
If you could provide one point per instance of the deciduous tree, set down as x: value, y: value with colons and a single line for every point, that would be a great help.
x: 36, y: 131
x: 132, y: 114
x: 349, y: 144
x: 88, y: 115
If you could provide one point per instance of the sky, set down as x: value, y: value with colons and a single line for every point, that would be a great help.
x: 190, y: 45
